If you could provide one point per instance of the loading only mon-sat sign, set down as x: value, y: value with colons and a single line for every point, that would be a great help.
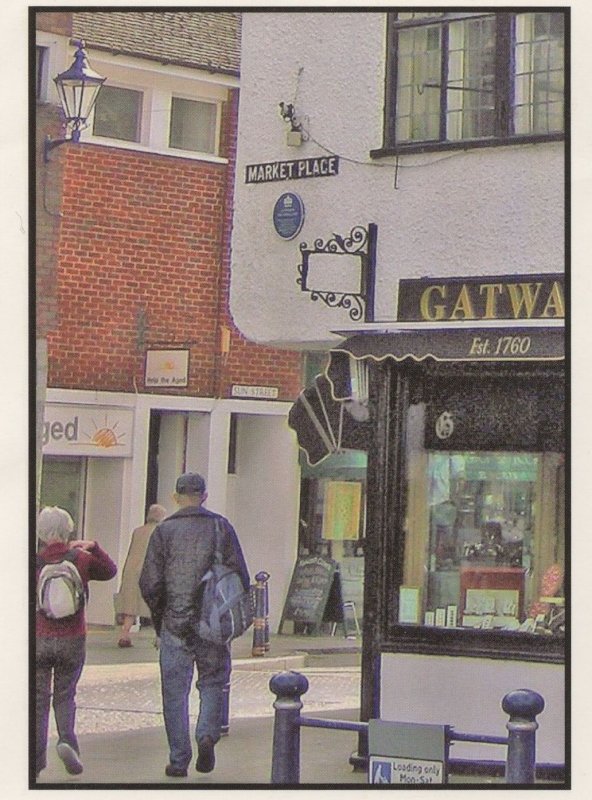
x: 321, y: 167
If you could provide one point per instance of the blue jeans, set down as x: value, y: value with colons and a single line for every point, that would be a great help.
x: 63, y: 658
x: 177, y: 659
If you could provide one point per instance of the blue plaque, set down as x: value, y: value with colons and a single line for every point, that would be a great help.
x: 288, y: 215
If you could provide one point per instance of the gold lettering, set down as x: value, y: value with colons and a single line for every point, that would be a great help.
x: 490, y: 291
x: 463, y: 305
x: 425, y: 304
x: 521, y: 294
x: 555, y: 302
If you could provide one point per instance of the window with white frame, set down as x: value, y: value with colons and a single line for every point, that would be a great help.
x: 173, y: 111
x: 474, y: 78
x: 193, y: 125
x: 118, y: 114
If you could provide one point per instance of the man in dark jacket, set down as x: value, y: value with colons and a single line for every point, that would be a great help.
x: 180, y: 552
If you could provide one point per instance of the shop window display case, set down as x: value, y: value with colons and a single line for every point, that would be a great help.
x: 484, y: 531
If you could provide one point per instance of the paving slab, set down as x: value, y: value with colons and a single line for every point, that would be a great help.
x: 137, y: 758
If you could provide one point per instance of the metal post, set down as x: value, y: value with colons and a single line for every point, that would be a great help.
x: 288, y: 688
x: 225, y: 727
x: 266, y: 612
x: 522, y: 706
x: 260, y: 617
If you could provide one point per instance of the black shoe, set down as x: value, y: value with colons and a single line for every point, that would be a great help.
x: 206, y: 759
x: 70, y: 758
x: 175, y: 772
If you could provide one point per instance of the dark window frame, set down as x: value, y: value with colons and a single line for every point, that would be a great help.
x: 504, y: 83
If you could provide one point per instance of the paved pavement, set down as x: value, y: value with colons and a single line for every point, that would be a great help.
x: 120, y: 726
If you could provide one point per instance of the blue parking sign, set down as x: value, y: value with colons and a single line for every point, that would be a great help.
x: 381, y: 770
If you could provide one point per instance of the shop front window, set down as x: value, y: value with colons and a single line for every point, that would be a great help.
x: 332, y: 520
x: 63, y: 484
x: 485, y: 542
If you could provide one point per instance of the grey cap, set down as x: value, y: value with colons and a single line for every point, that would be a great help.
x: 190, y: 483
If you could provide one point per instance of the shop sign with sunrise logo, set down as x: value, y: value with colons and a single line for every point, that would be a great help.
x: 87, y: 431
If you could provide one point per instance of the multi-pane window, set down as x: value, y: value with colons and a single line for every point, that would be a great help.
x: 538, y: 59
x: 118, y: 114
x: 157, y: 111
x: 193, y: 125
x: 470, y: 77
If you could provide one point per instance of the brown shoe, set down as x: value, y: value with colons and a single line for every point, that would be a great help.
x: 123, y: 642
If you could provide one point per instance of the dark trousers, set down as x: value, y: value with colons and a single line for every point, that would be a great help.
x: 63, y: 658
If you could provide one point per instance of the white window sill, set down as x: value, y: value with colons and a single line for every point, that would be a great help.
x: 165, y: 151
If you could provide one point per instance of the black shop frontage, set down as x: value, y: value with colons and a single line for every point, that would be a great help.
x: 463, y: 421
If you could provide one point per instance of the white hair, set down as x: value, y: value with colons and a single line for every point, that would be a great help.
x: 54, y: 524
x: 156, y: 513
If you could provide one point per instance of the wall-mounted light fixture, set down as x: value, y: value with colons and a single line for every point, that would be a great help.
x: 78, y: 88
x: 288, y: 114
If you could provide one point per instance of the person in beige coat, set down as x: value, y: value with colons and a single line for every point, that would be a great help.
x: 128, y: 601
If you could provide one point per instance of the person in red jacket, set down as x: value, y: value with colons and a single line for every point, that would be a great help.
x: 60, y: 645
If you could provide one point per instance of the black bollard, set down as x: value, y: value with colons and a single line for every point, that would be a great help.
x: 522, y: 706
x: 266, y: 611
x: 260, y: 617
x: 288, y: 688
x: 225, y: 727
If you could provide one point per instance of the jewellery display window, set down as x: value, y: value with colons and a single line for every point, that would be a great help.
x: 484, y: 537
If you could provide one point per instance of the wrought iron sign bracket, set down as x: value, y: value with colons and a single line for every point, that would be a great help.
x: 360, y: 242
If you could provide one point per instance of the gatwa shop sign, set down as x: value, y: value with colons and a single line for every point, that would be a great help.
x: 511, y: 297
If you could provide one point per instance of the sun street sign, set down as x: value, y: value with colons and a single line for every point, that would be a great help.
x: 321, y: 167
x: 255, y: 392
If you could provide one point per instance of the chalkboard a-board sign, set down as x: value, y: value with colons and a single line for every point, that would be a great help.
x: 314, y: 595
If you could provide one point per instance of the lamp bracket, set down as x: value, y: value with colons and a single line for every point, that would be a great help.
x: 49, y: 144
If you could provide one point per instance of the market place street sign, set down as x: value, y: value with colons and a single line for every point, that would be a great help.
x: 321, y: 167
x: 514, y: 297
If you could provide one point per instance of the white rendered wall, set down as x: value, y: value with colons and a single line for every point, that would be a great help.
x: 467, y: 693
x: 486, y: 211
x: 102, y: 516
x: 261, y: 499
x: 266, y: 496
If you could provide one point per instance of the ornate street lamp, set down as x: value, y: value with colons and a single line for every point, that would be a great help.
x: 78, y: 88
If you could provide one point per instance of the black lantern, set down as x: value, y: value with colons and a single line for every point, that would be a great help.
x: 78, y: 88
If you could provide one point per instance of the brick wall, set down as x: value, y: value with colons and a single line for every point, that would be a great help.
x: 48, y: 194
x: 48, y: 191
x: 144, y: 254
